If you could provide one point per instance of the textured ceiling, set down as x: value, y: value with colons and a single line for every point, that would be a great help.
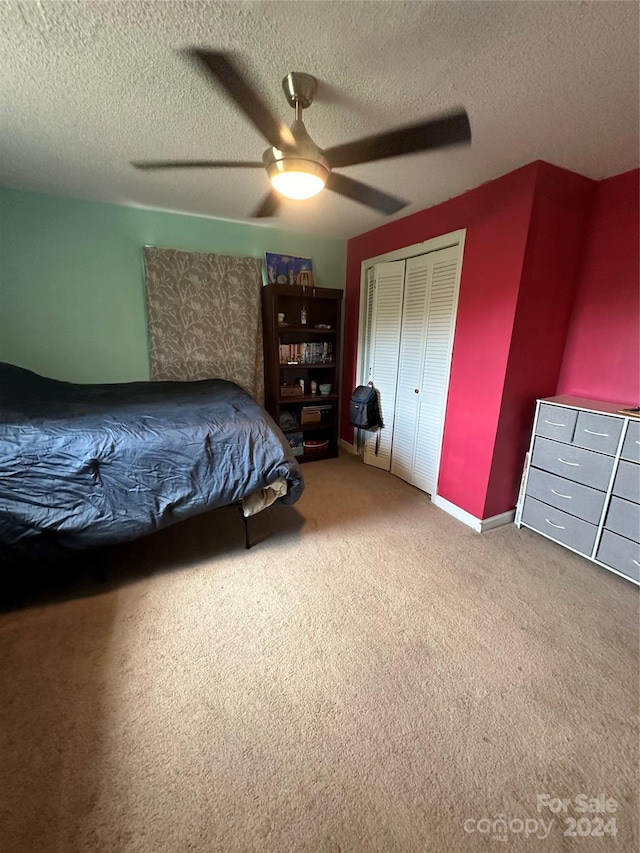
x: 86, y: 87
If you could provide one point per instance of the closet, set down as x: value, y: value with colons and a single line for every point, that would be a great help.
x: 408, y: 336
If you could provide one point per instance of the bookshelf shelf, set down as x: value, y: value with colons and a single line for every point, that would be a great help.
x: 309, y: 428
x: 293, y: 365
x: 306, y: 398
x: 285, y: 330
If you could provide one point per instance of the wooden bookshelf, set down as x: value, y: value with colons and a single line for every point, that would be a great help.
x: 322, y: 307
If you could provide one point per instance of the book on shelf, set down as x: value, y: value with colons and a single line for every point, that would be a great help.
x: 306, y: 353
x: 316, y: 414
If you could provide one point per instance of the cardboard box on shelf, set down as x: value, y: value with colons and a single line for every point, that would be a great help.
x: 310, y: 415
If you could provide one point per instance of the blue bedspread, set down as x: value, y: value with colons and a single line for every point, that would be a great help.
x: 88, y: 465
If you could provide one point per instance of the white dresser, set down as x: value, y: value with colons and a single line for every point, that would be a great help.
x: 582, y: 481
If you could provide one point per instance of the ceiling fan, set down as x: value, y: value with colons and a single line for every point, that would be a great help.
x: 295, y: 165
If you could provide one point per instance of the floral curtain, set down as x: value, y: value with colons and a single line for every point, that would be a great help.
x: 204, y: 317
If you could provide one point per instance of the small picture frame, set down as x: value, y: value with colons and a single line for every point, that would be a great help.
x: 287, y: 269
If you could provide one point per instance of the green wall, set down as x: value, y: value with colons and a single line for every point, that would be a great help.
x: 72, y: 298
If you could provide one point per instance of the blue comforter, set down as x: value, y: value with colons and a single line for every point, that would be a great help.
x: 88, y: 465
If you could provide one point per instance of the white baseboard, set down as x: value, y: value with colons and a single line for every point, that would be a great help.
x: 498, y: 520
x: 477, y: 524
x: 350, y: 448
x: 457, y: 512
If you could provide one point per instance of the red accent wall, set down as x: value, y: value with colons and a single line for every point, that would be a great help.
x: 496, y: 216
x: 549, y: 304
x: 523, y: 255
x: 549, y: 279
x: 602, y: 354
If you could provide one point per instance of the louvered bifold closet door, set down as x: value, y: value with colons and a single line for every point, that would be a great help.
x: 368, y: 332
x: 383, y: 340
x: 430, y: 296
x: 410, y: 364
x: 444, y: 267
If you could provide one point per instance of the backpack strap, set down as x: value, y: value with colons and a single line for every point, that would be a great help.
x: 380, y: 424
x: 377, y: 438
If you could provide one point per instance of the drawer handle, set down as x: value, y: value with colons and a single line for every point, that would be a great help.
x: 637, y: 563
x: 553, y: 423
x: 559, y: 526
x: 564, y: 462
x: 637, y: 442
x: 560, y: 495
x: 591, y: 432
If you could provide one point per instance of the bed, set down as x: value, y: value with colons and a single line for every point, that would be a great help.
x: 83, y: 466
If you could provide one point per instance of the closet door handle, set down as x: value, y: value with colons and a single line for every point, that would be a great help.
x: 564, y: 462
x: 416, y: 390
x: 559, y: 526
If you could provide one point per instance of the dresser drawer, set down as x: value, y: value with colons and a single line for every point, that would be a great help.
x: 631, y: 443
x: 556, y: 422
x: 623, y: 517
x: 598, y: 432
x: 564, y: 528
x: 581, y: 501
x: 627, y: 481
x: 573, y: 463
x: 621, y: 554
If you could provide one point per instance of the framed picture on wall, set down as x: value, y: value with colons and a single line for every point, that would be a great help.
x: 286, y: 269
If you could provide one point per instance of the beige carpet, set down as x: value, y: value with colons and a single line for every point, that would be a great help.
x: 371, y: 676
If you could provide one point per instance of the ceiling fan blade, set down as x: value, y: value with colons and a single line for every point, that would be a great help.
x: 449, y: 129
x: 199, y: 164
x: 363, y: 193
x: 242, y: 93
x: 268, y: 206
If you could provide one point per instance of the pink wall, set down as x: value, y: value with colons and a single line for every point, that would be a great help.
x: 550, y: 275
x: 496, y: 216
x: 602, y: 355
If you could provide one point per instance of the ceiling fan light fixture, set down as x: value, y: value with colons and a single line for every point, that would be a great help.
x: 298, y: 168
x: 297, y: 179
